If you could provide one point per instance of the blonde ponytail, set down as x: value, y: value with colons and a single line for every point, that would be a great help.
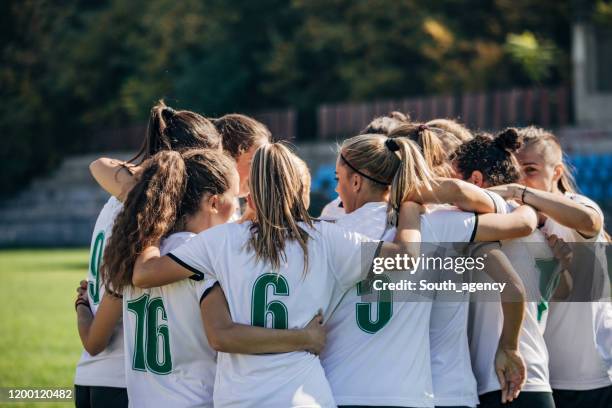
x: 384, y: 161
x: 432, y: 148
x: 277, y: 189
x: 412, y: 174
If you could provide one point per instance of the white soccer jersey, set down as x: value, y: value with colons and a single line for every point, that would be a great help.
x: 378, y: 353
x: 577, y: 335
x: 106, y: 368
x: 288, y: 298
x: 333, y: 210
x: 453, y: 381
x: 486, y: 318
x: 168, y: 361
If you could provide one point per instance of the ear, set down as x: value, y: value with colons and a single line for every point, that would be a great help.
x: 249, y: 201
x: 558, y: 172
x: 477, y: 178
x: 213, y: 203
x: 356, y: 182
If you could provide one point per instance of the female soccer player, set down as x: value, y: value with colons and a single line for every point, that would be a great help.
x: 177, y: 196
x: 369, y: 343
x: 100, y: 379
x: 275, y: 271
x: 241, y: 136
x: 488, y: 161
x: 578, y: 345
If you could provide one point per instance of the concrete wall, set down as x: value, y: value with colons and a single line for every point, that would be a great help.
x: 592, y: 108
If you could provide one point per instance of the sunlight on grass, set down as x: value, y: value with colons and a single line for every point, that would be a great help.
x: 39, y: 344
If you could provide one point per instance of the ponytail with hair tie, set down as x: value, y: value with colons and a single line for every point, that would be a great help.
x: 391, y: 144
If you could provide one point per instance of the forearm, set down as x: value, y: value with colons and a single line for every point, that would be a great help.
x: 408, y: 233
x: 496, y: 227
x: 245, y: 339
x: 84, y: 321
x: 499, y: 268
x: 152, y: 270
x: 563, y: 210
x: 464, y: 195
x: 513, y: 320
x: 113, y: 176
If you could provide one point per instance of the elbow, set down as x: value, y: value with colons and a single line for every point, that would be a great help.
x: 590, y: 224
x: 217, y: 342
x: 528, y: 226
x: 139, y: 280
x: 94, y: 349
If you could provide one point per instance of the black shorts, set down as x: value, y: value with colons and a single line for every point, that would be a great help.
x: 597, y: 398
x: 526, y: 399
x: 86, y: 396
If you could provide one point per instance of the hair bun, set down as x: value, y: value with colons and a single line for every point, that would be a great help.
x: 508, y: 139
x: 167, y: 113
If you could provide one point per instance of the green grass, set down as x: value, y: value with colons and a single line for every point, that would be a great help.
x: 39, y: 343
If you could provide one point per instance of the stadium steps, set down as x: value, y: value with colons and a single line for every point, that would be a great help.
x: 58, y: 210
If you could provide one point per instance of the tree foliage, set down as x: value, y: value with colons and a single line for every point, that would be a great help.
x: 74, y: 67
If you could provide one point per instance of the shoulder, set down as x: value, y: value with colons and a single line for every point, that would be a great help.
x: 174, y: 241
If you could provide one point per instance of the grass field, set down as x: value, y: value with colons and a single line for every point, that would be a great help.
x: 39, y: 344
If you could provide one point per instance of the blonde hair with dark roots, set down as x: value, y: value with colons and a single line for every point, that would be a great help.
x: 169, y: 190
x: 277, y: 191
x: 532, y: 136
x: 404, y: 170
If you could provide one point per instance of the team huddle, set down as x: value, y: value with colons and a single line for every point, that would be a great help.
x: 194, y: 300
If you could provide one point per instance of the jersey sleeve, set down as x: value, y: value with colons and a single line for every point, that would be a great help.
x: 196, y: 255
x: 350, y: 254
x: 453, y: 225
x: 203, y: 286
x: 501, y: 206
x: 587, y: 202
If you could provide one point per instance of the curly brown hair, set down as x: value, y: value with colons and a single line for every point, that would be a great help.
x: 493, y: 156
x: 169, y: 190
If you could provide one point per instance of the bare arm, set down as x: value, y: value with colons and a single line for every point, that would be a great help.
x: 586, y: 220
x: 226, y: 336
x: 408, y: 234
x: 466, y: 196
x: 95, y: 332
x: 496, y: 227
x: 152, y: 270
x: 114, y: 176
x: 509, y: 365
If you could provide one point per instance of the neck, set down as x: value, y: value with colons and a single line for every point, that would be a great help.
x: 198, y: 223
x: 371, y: 197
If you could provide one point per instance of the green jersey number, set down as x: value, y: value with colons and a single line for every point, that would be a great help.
x: 152, y: 342
x: 94, y: 267
x: 261, y: 308
x: 548, y: 283
x: 384, y: 307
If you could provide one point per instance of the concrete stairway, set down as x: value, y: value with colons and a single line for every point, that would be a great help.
x: 58, y: 210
